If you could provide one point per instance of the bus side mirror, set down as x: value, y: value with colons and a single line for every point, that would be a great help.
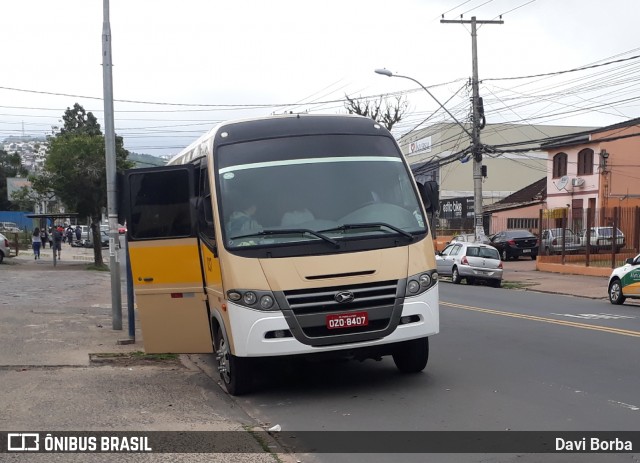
x: 430, y: 195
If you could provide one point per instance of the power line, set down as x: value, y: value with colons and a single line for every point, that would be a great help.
x: 566, y: 71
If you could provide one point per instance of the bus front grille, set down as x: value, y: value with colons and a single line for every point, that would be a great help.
x: 306, y: 311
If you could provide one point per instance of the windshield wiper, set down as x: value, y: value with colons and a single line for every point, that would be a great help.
x: 289, y: 231
x: 353, y: 226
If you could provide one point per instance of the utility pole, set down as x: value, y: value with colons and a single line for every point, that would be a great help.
x: 476, y: 145
x: 110, y: 155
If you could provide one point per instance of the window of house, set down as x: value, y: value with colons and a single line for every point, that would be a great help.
x: 585, y: 162
x: 560, y: 165
x: 526, y: 223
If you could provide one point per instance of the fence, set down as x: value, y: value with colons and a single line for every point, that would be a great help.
x: 617, y: 225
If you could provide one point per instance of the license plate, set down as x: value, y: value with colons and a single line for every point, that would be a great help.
x: 526, y: 250
x: 347, y: 320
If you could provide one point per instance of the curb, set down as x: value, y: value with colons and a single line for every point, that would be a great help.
x: 266, y: 439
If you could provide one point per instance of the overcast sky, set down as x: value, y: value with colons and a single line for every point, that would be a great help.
x: 256, y: 57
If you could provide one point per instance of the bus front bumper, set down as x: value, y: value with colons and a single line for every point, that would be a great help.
x: 253, y: 330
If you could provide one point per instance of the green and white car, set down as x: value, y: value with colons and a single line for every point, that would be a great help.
x: 624, y: 281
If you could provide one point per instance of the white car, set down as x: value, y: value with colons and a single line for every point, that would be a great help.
x: 602, y: 238
x: 9, y: 227
x: 624, y: 281
x: 471, y: 261
x: 5, y: 249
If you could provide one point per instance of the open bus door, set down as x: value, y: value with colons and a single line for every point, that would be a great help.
x: 159, y: 205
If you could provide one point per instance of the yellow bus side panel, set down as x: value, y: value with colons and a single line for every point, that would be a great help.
x: 170, y: 296
x: 176, y: 325
x: 165, y: 262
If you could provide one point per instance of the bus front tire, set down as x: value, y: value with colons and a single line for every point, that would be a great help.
x: 412, y: 356
x: 234, y: 371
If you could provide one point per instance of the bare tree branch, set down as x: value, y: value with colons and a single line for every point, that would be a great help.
x: 382, y: 111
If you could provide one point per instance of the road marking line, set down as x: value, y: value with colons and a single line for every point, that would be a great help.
x: 635, y: 334
x: 622, y: 404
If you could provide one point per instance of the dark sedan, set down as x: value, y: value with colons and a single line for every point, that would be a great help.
x: 512, y: 244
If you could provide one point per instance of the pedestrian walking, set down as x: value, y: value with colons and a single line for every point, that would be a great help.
x: 44, y: 237
x: 36, y: 241
x: 78, y: 233
x: 57, y: 239
x: 69, y: 234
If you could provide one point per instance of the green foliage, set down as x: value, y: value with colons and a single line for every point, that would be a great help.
x: 24, y: 199
x: 76, y: 165
x: 78, y: 121
x: 75, y: 169
x: 10, y: 166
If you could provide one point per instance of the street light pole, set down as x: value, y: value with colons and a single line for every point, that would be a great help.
x: 110, y: 159
x: 386, y: 72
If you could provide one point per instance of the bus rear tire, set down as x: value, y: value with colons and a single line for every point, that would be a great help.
x: 234, y: 371
x: 412, y: 356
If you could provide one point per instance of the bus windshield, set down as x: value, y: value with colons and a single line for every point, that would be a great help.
x: 310, y: 188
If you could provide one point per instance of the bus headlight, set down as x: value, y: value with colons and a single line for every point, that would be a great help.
x: 266, y: 302
x: 253, y: 299
x: 249, y: 298
x: 413, y: 286
x: 418, y: 284
x: 425, y: 280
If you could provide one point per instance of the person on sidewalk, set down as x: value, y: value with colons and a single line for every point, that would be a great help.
x: 57, y: 233
x: 36, y: 242
x: 69, y: 234
x: 44, y: 237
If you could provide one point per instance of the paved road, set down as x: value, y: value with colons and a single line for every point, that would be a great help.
x: 505, y: 360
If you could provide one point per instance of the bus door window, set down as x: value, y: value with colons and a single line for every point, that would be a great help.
x: 205, y: 212
x: 158, y: 211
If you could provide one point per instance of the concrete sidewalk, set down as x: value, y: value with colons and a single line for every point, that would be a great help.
x: 523, y: 275
x: 556, y: 283
x: 52, y: 320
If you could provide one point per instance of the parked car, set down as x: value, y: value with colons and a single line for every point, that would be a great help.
x: 471, y: 261
x: 9, y: 227
x: 624, y: 281
x: 468, y: 238
x: 5, y: 249
x: 104, y: 240
x: 552, y: 241
x: 602, y: 238
x: 511, y: 244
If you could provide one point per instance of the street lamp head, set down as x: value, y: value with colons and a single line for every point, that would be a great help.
x: 384, y: 72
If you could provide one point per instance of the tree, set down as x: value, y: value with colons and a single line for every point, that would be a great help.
x: 75, y: 169
x: 388, y: 114
x: 79, y: 122
x: 25, y: 199
x: 10, y: 166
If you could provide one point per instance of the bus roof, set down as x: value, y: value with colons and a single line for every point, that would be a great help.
x: 281, y: 126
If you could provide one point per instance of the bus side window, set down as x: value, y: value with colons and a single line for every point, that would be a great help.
x: 205, y: 212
